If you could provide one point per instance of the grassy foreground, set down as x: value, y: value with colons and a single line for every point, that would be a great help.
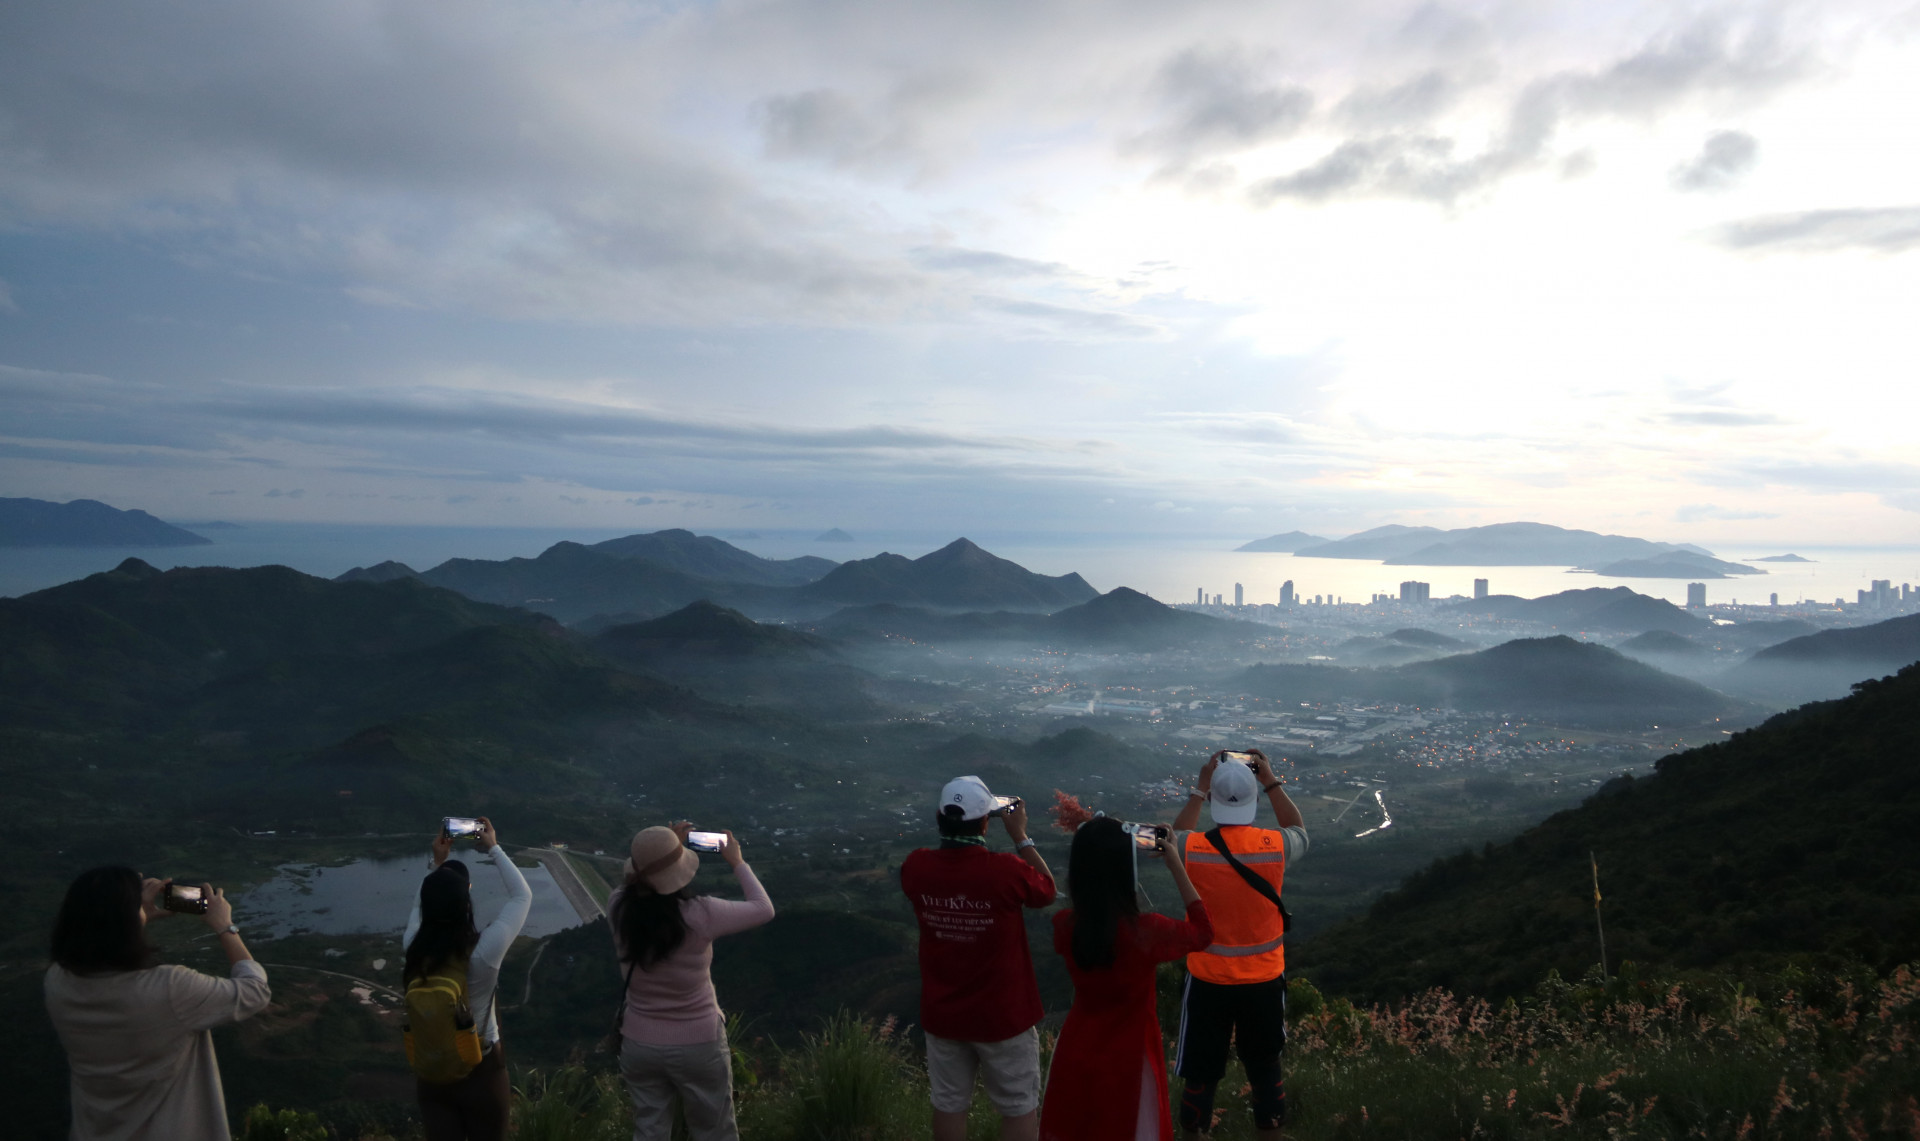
x: 1802, y: 1054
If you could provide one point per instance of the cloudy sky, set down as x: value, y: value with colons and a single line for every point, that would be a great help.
x: 1205, y: 267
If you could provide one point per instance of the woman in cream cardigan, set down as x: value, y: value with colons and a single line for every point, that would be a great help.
x: 136, y: 1032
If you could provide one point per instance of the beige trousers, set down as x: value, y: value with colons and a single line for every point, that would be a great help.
x: 701, y: 1074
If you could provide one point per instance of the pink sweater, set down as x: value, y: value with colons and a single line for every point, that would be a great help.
x: 672, y: 1002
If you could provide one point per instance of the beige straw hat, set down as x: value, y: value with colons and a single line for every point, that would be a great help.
x: 658, y: 858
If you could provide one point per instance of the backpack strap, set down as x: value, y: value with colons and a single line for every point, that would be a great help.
x: 1254, y: 881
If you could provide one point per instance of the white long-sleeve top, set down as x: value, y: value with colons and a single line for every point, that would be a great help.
x: 483, y: 968
x: 139, y: 1049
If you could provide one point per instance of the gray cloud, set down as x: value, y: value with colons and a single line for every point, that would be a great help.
x: 1710, y: 58
x: 1069, y: 319
x: 986, y: 263
x: 1216, y: 101
x: 1411, y: 102
x: 1724, y: 159
x: 826, y: 125
x: 1722, y: 418
x: 1886, y: 230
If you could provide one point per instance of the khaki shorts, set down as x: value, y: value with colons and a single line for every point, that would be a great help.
x: 1011, y: 1070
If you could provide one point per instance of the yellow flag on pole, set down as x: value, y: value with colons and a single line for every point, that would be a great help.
x: 1596, y: 876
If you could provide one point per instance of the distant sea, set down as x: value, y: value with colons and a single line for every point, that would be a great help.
x: 1171, y: 569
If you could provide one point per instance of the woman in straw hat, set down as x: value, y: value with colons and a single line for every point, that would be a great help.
x: 673, y: 1036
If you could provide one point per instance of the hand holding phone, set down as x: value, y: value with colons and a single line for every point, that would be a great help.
x: 185, y: 899
x: 458, y: 826
x: 707, y: 841
x: 1246, y: 758
x: 1149, y: 837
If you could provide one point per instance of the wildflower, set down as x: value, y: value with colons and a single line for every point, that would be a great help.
x: 1068, y: 812
x: 1782, y: 1101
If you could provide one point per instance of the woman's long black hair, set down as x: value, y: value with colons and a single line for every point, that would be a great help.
x: 1100, y: 883
x: 438, y: 943
x: 99, y: 926
x: 650, y: 924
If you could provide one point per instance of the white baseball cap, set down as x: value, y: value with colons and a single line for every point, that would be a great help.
x: 1235, y: 793
x: 970, y: 795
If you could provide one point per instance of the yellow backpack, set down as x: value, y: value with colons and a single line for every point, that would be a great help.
x: 443, y: 1043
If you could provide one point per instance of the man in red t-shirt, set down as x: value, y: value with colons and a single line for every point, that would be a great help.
x: 979, y: 1001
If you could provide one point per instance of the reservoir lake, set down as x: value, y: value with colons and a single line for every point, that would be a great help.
x: 374, y: 896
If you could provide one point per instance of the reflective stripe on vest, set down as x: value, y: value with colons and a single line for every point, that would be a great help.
x: 1249, y: 939
x: 1239, y: 952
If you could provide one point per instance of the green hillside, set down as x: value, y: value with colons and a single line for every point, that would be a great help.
x: 1792, y: 838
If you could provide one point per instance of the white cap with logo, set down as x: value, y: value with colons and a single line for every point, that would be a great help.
x: 1234, y: 794
x: 970, y: 795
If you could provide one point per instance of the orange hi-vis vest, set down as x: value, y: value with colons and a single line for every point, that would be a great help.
x: 1249, y: 938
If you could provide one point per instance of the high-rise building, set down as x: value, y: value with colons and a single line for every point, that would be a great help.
x: 1287, y: 596
x: 1773, y: 600
x: 1696, y: 596
x: 1416, y: 591
x: 1479, y: 588
x: 1199, y: 596
x: 1239, y: 595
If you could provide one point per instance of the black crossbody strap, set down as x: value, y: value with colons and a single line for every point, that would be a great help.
x: 1254, y: 881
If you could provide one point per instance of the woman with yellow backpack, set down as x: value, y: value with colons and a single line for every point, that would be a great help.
x: 452, y: 970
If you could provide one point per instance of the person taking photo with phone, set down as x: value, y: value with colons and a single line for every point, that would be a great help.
x: 979, y: 999
x: 1236, y: 988
x: 452, y: 973
x: 1109, y: 1073
x: 138, y: 1032
x: 673, y: 1037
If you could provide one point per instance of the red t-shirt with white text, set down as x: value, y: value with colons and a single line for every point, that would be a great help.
x: 976, y: 972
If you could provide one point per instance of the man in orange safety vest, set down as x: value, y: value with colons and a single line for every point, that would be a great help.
x: 1236, y: 989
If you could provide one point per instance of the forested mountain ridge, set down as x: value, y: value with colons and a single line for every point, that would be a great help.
x: 1558, y: 678
x: 1793, y: 837
x: 958, y: 576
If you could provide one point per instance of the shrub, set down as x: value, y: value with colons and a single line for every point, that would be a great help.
x: 571, y: 1104
x: 856, y: 1080
x: 264, y: 1124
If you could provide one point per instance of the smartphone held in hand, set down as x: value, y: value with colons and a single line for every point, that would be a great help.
x: 707, y: 841
x: 458, y: 826
x: 184, y: 898
x: 1246, y: 759
x: 1003, y: 805
x: 1148, y: 837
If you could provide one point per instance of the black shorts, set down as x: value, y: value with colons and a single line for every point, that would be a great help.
x: 1253, y: 1016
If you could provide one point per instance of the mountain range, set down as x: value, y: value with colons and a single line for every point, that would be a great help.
x: 1791, y: 839
x: 1557, y: 679
x: 1122, y: 618
x: 1827, y: 663
x: 1499, y: 544
x: 643, y: 576
x: 1616, y: 608
x: 86, y: 523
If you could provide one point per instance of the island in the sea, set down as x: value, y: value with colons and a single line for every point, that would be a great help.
x: 1282, y: 544
x: 86, y: 523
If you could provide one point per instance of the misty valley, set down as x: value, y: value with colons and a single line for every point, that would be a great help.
x: 1464, y: 767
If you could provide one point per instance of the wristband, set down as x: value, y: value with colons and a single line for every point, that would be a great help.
x: 1270, y: 787
x: 1023, y: 842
